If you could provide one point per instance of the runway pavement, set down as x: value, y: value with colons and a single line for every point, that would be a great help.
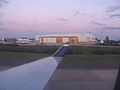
x: 82, y: 79
x: 84, y: 75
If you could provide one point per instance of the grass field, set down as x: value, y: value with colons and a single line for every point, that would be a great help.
x: 34, y: 56
x: 74, y: 50
x: 92, y: 58
x: 15, y: 58
x: 91, y: 61
x: 21, y: 56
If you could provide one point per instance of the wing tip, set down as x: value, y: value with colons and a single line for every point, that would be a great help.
x: 61, y: 51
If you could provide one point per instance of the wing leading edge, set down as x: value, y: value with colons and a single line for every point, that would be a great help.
x: 31, y: 76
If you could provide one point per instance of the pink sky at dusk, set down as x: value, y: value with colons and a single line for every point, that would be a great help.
x: 33, y: 17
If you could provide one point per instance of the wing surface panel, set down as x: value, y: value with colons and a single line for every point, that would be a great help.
x: 31, y: 76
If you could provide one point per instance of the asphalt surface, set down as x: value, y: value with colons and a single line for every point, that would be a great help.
x: 84, y: 75
x: 82, y: 79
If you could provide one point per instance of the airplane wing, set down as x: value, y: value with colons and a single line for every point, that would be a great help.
x: 31, y: 76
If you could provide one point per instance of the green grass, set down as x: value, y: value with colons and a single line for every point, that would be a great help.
x: 74, y: 50
x: 35, y: 56
x: 93, y: 50
x: 92, y: 58
x: 21, y: 56
x: 91, y: 61
x: 29, y: 49
x: 70, y: 61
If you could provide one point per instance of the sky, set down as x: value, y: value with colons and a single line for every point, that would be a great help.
x: 27, y: 18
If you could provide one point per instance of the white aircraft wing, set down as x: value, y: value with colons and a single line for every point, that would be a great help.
x: 31, y: 76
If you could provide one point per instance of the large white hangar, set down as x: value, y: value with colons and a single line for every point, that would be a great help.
x: 67, y: 38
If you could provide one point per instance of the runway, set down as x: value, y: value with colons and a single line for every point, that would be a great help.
x: 82, y: 79
x: 84, y: 75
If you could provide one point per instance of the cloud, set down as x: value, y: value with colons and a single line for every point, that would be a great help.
x: 113, y: 28
x: 70, y: 18
x: 63, y: 19
x: 66, y: 19
x: 4, y: 30
x: 96, y: 23
x: 14, y: 23
x: 113, y: 12
x: 104, y: 26
x: 1, y: 23
x: 113, y: 8
x: 76, y: 14
x: 83, y: 14
x: 3, y: 2
x: 27, y: 25
x: 1, y: 14
x: 114, y: 15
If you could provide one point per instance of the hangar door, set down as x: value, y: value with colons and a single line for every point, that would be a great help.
x: 73, y: 40
x: 59, y: 39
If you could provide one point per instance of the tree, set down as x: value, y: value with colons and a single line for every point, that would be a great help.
x: 119, y: 40
x: 107, y: 40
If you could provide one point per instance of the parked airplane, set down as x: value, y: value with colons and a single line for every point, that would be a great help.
x: 31, y: 76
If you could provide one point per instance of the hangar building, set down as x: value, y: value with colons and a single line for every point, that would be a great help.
x: 67, y: 38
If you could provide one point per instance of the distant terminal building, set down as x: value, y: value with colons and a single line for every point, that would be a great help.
x: 2, y: 38
x: 7, y: 40
x: 23, y: 40
x: 67, y: 38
